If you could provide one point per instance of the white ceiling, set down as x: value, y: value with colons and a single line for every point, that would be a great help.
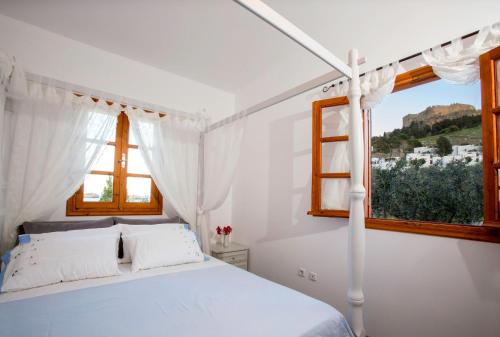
x: 218, y: 43
x: 215, y: 42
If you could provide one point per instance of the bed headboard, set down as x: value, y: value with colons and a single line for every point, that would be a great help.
x: 37, y: 227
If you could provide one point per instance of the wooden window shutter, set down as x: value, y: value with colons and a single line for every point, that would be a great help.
x: 490, y: 91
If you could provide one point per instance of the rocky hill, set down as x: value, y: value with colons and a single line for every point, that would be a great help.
x: 438, y: 113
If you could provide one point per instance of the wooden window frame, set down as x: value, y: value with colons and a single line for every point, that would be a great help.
x: 491, y: 112
x: 490, y: 230
x: 317, y: 143
x: 75, y: 205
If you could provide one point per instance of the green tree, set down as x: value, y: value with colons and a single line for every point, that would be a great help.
x: 107, y: 191
x: 451, y: 194
x: 413, y: 143
x: 443, y: 146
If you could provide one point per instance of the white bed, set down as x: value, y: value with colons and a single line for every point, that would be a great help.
x: 209, y: 298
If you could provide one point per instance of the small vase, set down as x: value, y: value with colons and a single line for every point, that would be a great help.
x: 225, y: 241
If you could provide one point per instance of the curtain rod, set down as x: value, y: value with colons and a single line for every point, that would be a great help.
x: 297, y: 90
x: 107, y: 97
x: 326, y: 88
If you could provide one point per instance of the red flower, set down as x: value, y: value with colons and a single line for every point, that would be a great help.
x: 219, y: 230
x: 227, y: 230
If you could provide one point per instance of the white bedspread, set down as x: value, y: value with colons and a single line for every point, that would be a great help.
x: 193, y: 300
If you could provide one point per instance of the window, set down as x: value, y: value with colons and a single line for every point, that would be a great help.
x: 119, y: 183
x: 426, y: 154
x: 330, y: 136
x: 490, y: 87
x: 432, y: 156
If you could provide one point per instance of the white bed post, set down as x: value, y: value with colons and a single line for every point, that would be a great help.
x: 356, y: 243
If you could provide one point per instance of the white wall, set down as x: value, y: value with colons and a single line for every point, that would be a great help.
x: 55, y: 56
x: 415, y: 285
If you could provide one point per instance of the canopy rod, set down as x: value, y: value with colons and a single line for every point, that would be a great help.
x: 326, y: 88
x: 286, y: 27
x: 297, y: 90
x: 108, y: 97
x: 279, y: 22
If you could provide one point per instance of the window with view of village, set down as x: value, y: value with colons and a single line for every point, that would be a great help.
x: 426, y: 157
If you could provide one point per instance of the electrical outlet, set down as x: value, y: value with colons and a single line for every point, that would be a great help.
x: 301, y: 272
x: 313, y: 276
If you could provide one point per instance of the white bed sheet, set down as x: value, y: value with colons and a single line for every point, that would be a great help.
x: 203, y: 299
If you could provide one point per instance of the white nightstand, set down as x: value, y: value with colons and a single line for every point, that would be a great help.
x: 235, y: 254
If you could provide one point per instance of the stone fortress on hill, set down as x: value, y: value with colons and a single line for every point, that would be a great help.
x: 469, y: 150
x: 437, y: 113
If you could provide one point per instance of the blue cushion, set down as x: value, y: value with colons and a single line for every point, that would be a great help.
x: 5, y: 259
x: 24, y: 239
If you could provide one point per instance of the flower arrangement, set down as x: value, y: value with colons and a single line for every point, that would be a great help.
x: 224, y: 233
x: 227, y: 230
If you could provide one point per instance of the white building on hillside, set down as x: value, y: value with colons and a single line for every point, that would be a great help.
x: 384, y: 163
x: 424, y: 150
x: 466, y: 149
x: 428, y: 157
x: 471, y: 154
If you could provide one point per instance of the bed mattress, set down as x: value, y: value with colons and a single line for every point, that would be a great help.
x: 200, y: 299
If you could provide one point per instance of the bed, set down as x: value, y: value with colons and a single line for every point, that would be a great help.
x: 209, y: 298
x: 216, y: 300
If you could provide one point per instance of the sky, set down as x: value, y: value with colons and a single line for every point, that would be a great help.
x: 389, y: 114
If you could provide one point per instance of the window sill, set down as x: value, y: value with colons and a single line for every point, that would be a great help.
x: 84, y: 212
x: 73, y: 210
x: 489, y: 232
x: 330, y: 213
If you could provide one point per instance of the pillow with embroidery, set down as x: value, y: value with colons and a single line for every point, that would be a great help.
x: 162, y: 248
x: 47, y: 261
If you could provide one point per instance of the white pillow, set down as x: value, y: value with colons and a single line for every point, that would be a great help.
x: 134, y: 229
x: 162, y: 248
x: 44, y: 262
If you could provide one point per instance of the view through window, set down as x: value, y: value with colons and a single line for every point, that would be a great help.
x: 426, y: 155
x: 119, y: 182
x: 98, y: 186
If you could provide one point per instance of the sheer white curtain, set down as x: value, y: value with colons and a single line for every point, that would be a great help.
x: 335, y: 155
x: 6, y: 67
x: 221, y: 153
x: 169, y: 145
x: 458, y: 64
x: 53, y: 138
x: 13, y: 86
x: 374, y: 86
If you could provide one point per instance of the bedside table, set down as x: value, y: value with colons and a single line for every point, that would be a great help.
x: 235, y: 254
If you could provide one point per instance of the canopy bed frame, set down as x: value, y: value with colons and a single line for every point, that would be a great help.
x: 356, y: 236
x: 341, y: 70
